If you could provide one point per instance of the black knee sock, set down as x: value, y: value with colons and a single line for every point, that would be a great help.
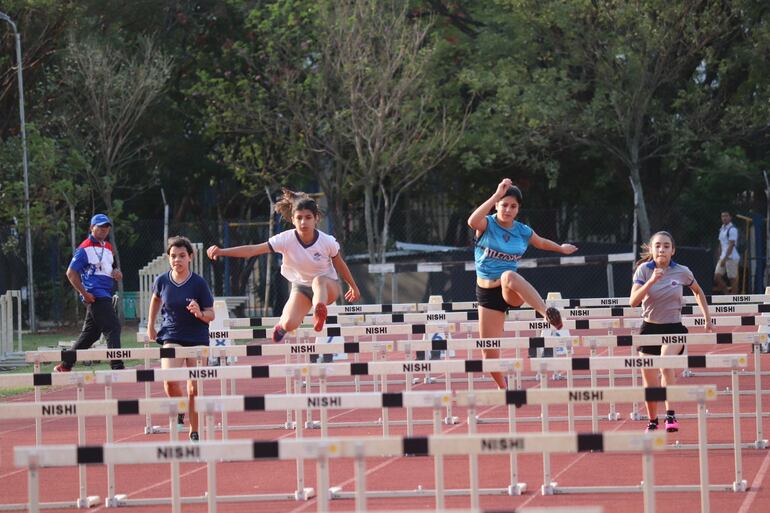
x: 654, y: 421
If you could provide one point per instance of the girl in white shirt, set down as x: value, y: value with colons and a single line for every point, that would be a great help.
x: 311, y: 262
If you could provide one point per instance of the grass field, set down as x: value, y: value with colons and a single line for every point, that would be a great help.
x: 50, y: 340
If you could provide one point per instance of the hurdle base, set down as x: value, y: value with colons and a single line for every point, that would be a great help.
x: 313, y: 424
x: 304, y: 494
x: 634, y: 415
x: 549, y: 489
x: 153, y: 430
x: 687, y: 373
x: 760, y: 444
x: 451, y: 420
x: 640, y: 488
x: 116, y: 501
x: 337, y: 493
x: 517, y: 489
x: 740, y: 486
x: 88, y: 502
x: 558, y: 376
x: 613, y: 416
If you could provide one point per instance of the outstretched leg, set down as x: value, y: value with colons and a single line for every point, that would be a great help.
x: 516, y: 289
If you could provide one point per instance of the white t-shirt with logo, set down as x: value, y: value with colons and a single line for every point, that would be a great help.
x: 302, y: 263
x: 728, y: 232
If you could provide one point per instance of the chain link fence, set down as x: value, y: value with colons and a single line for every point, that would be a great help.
x: 593, y: 230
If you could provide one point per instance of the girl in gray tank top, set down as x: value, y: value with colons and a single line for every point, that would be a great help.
x: 658, y: 284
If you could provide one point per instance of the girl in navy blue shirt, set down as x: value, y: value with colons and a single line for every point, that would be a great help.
x: 185, y: 300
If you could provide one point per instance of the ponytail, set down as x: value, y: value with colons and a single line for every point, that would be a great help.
x: 292, y: 201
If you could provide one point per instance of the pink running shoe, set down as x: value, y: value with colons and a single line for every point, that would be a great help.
x: 319, y: 316
x: 278, y: 333
x: 672, y: 426
x: 553, y: 316
x: 61, y: 368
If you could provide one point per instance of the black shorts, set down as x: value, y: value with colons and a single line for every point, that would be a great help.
x: 492, y: 299
x: 649, y: 328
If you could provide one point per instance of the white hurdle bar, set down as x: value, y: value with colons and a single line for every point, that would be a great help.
x: 731, y: 361
x: 94, y: 408
x: 545, y: 397
x: 322, y: 450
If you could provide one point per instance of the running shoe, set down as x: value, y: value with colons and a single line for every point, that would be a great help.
x: 652, y: 426
x: 553, y: 316
x: 278, y: 333
x: 319, y: 316
x: 194, y: 436
x: 61, y: 368
x: 672, y: 426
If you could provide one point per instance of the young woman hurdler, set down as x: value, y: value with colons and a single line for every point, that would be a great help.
x: 185, y: 300
x: 311, y: 263
x: 658, y: 284
x: 500, y: 243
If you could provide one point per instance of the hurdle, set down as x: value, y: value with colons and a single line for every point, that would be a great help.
x: 754, y: 339
x: 7, y: 323
x: 92, y: 408
x: 322, y: 450
x: 516, y: 398
x: 732, y: 361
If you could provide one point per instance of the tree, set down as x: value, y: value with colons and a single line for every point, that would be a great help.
x: 651, y: 84
x: 109, y: 91
x: 391, y: 119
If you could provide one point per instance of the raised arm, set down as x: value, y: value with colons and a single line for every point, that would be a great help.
x: 639, y: 290
x: 548, y: 245
x: 249, y: 251
x: 478, y: 219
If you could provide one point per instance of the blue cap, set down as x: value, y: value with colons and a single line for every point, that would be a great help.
x: 100, y: 220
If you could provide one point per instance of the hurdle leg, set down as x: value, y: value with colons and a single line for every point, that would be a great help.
x: 740, y: 484
x: 83, y: 500
x: 288, y: 384
x: 33, y: 485
x: 176, y: 503
x: 515, y: 488
x: 594, y: 406
x: 324, y: 412
x: 548, y: 486
x: 703, y: 455
x: 474, y: 477
x: 570, y: 405
x: 634, y: 415
x: 223, y: 391
x: 148, y: 427
x: 301, y: 493
x: 113, y: 500
x: 322, y: 471
x: 211, y: 468
x: 360, y: 468
x: 760, y: 442
x: 613, y: 413
x: 648, y: 470
x: 438, y: 460
x: 38, y: 420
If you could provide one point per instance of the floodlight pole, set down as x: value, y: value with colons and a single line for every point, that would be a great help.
x: 25, y: 163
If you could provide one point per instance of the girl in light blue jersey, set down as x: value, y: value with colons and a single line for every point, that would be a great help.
x: 500, y: 243
x: 658, y: 284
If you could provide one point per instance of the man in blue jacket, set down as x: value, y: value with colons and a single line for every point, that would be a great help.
x: 92, y: 273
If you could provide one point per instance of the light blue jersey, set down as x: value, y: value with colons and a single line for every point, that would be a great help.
x: 500, y: 249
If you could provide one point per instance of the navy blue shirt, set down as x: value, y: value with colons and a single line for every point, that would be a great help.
x: 178, y: 324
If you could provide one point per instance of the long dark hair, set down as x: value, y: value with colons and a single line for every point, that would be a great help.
x: 292, y: 201
x: 646, y: 255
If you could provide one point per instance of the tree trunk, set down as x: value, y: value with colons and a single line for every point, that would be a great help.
x: 636, y: 179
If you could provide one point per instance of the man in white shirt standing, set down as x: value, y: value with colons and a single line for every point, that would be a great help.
x: 728, y: 257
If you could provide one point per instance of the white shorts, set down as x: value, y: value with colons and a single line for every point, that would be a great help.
x: 730, y: 268
x: 174, y: 363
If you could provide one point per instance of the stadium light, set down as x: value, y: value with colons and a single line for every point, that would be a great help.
x: 25, y: 163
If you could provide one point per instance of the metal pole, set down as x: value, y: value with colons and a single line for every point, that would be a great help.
x: 25, y: 163
x: 165, y: 218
